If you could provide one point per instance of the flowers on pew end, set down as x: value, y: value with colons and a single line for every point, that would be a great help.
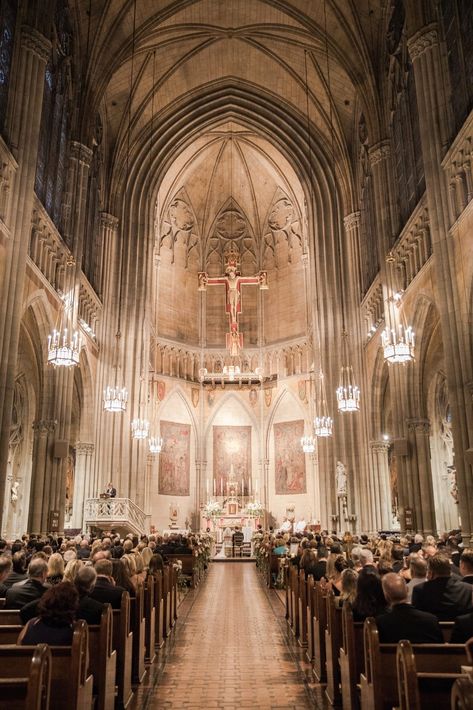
x: 255, y: 510
x: 212, y: 509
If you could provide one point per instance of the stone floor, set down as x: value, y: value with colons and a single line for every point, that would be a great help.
x: 231, y: 649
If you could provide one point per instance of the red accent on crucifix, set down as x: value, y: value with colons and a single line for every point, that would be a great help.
x: 233, y: 282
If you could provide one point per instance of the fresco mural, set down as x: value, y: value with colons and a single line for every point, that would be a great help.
x: 232, y: 458
x: 289, y: 458
x: 174, y: 460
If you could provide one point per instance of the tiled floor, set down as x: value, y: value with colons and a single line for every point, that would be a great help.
x: 231, y: 650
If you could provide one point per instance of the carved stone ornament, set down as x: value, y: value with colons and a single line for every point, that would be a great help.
x: 179, y: 223
x: 352, y: 221
x: 231, y: 225
x: 421, y: 41
x: 283, y: 223
x: 108, y: 221
x: 422, y: 426
x: 34, y: 41
x: 81, y: 152
x: 378, y: 152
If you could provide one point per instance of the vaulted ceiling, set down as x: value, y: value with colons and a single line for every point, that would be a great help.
x: 311, y: 57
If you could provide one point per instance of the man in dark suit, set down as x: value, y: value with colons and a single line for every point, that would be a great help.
x: 18, y: 571
x: 403, y: 621
x: 5, y: 567
x: 462, y: 629
x: 466, y: 566
x: 320, y: 567
x: 89, y: 609
x: 111, y: 490
x: 30, y: 589
x: 105, y: 590
x: 443, y: 595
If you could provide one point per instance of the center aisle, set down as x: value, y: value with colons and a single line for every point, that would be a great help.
x: 229, y: 651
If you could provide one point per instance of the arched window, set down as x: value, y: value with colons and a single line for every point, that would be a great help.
x: 404, y: 118
x: 55, y: 119
x: 8, y: 12
x: 457, y: 24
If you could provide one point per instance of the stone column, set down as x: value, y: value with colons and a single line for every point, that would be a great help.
x: 26, y: 117
x: 419, y: 440
x: 380, y: 155
x: 80, y: 159
x: 43, y: 439
x: 432, y: 101
x: 380, y: 486
x: 108, y: 425
x: 82, y: 473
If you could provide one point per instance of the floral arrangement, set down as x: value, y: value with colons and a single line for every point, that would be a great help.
x: 255, y: 510
x: 212, y: 509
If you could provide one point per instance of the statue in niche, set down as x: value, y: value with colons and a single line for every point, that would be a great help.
x: 14, y: 491
x: 341, y: 478
x: 452, y: 482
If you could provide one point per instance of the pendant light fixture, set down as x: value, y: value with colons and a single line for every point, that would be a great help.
x: 323, y: 423
x: 308, y: 444
x: 64, y: 342
x: 397, y: 338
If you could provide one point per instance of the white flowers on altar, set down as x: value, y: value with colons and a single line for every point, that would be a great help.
x: 255, y: 510
x: 212, y: 509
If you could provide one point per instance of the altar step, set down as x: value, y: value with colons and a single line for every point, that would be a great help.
x: 233, y: 559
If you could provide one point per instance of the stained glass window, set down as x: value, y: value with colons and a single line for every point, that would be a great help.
x: 8, y: 12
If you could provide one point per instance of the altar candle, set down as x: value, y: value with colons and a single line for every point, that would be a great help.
x: 242, y: 488
x: 207, y: 486
x: 256, y: 486
x: 214, y: 486
x: 221, y: 487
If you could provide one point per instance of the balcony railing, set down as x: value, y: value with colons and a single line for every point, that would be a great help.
x: 116, y: 513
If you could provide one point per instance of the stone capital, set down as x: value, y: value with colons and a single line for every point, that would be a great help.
x: 352, y: 221
x: 380, y: 446
x: 108, y: 221
x: 418, y: 424
x: 35, y: 42
x: 81, y: 152
x: 424, y: 39
x: 84, y: 448
x: 44, y: 426
x: 379, y: 152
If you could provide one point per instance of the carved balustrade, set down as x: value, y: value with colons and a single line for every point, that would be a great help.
x: 458, y: 167
x: 413, y: 248
x: 117, y: 513
x: 372, y: 307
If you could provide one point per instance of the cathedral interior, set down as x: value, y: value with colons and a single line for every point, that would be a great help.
x: 234, y: 262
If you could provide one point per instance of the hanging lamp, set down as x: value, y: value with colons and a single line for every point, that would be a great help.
x: 397, y: 338
x: 323, y: 422
x: 308, y: 444
x: 64, y: 341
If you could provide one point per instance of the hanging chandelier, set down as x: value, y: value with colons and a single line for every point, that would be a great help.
x: 140, y: 428
x: 115, y: 399
x: 155, y: 444
x: 397, y: 339
x: 323, y: 422
x: 308, y: 444
x: 398, y: 344
x: 63, y: 348
x: 348, y: 394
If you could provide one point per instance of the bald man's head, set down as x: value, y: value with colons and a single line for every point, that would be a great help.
x: 394, y: 588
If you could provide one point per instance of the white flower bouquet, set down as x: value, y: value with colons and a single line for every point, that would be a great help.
x: 212, y: 509
x: 255, y: 510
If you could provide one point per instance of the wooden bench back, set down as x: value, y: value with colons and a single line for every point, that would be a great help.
x: 25, y: 677
x: 123, y: 644
x: 319, y: 622
x: 150, y: 620
x: 103, y: 660
x: 333, y: 642
x: 426, y: 674
x: 352, y: 657
x: 302, y: 609
x: 137, y: 622
x: 10, y: 617
x: 462, y: 694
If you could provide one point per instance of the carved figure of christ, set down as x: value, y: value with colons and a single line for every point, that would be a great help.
x: 233, y: 282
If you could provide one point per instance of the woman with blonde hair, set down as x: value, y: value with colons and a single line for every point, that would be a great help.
x: 130, y: 569
x: 71, y: 570
x: 140, y: 567
x: 146, y: 554
x: 55, y: 569
x: 348, y: 580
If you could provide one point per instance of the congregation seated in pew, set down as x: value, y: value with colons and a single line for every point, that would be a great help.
x: 53, y: 625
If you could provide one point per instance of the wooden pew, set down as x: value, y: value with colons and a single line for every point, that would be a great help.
x: 123, y: 645
x: 462, y: 694
x: 352, y: 658
x: 10, y: 617
x: 273, y: 569
x: 71, y: 685
x: 9, y: 633
x: 158, y: 606
x: 166, y: 602
x: 190, y: 567
x: 309, y: 614
x: 432, y: 687
x: 333, y: 642
x: 150, y: 620
x: 103, y: 660
x: 379, y: 684
x: 302, y: 609
x: 286, y: 589
x: 25, y: 677
x: 137, y: 625
x: 319, y: 624
x: 294, y: 576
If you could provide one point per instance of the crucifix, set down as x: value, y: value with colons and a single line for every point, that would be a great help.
x: 233, y: 281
